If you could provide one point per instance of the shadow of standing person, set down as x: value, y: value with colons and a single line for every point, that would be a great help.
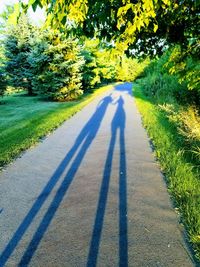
x: 118, y: 124
x: 82, y: 143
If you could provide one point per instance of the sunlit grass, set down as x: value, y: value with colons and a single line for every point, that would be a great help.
x: 25, y: 120
x: 182, y: 175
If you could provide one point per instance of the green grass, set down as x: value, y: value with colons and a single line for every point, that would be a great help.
x: 181, y: 175
x: 25, y: 120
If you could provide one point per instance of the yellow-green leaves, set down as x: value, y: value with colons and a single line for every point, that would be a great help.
x: 185, y: 67
x: 59, y: 11
x: 167, y: 2
x: 13, y: 18
x: 78, y: 11
x: 143, y: 14
x: 121, y: 14
x: 34, y: 4
x: 155, y: 27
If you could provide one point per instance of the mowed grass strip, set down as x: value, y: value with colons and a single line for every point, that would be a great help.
x: 183, y: 178
x: 25, y: 120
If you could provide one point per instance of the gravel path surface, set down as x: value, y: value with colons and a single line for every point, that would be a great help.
x: 91, y: 194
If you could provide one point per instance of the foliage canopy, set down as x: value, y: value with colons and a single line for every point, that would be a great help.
x: 149, y: 21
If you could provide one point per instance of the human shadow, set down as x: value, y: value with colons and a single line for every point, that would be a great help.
x: 118, y: 124
x: 81, y: 145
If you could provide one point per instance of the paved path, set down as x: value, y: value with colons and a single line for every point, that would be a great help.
x: 90, y: 194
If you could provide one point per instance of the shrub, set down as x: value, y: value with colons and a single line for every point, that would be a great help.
x: 176, y: 100
x: 163, y: 87
x: 186, y: 67
x: 164, y: 83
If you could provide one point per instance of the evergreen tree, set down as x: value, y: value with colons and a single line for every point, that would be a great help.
x: 56, y: 66
x: 3, y: 83
x: 89, y: 75
x: 17, y: 48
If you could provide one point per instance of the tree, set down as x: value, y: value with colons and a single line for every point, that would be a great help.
x: 153, y: 22
x: 89, y: 76
x: 17, y: 47
x: 98, y: 67
x: 56, y: 66
x: 3, y: 83
x: 9, y: 9
x: 3, y: 25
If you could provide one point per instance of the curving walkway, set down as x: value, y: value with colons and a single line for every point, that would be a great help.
x: 90, y: 195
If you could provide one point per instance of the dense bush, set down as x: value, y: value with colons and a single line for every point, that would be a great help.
x: 175, y: 98
x: 165, y: 83
x: 163, y: 87
x: 185, y: 64
x: 56, y: 66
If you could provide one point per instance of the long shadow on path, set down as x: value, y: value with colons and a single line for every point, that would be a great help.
x: 82, y: 143
x: 118, y: 123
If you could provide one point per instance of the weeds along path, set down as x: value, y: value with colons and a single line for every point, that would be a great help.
x: 90, y: 195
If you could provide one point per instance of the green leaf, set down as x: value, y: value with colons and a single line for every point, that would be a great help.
x: 35, y: 4
x: 64, y: 19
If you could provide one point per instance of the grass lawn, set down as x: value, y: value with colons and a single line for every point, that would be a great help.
x: 25, y: 120
x: 181, y: 175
